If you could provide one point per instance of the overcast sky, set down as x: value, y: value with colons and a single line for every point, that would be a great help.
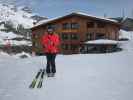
x: 53, y: 8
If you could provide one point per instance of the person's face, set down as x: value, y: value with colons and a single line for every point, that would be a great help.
x: 50, y: 32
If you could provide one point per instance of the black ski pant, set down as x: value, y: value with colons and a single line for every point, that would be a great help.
x: 50, y: 68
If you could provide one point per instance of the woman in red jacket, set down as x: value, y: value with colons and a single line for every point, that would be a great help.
x: 50, y: 43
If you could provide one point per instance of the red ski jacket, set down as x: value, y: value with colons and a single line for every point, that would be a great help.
x: 50, y: 43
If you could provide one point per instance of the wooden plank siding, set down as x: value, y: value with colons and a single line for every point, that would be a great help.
x: 111, y: 31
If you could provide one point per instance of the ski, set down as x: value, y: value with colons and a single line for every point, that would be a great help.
x: 33, y: 83
x: 41, y: 79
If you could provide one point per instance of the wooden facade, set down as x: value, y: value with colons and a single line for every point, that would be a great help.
x: 75, y: 29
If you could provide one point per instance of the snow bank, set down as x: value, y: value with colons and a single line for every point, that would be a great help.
x: 2, y: 26
x: 125, y: 34
x: 18, y: 55
x: 7, y: 38
x: 22, y: 55
x: 9, y: 35
x: 15, y: 43
x: 4, y: 54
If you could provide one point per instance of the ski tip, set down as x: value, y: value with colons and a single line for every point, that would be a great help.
x: 31, y: 86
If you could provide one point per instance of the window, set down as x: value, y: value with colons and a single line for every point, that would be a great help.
x: 53, y: 26
x: 100, y: 25
x: 66, y: 26
x: 74, y: 25
x: 74, y: 36
x: 65, y: 36
x: 65, y: 46
x: 71, y: 26
x: 100, y: 35
x: 73, y: 47
x: 90, y: 24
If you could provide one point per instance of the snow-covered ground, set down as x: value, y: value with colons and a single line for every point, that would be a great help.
x: 79, y: 77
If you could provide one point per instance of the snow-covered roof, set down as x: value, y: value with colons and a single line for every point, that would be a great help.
x: 45, y: 21
x: 102, y: 41
x: 107, y: 19
x: 74, y: 13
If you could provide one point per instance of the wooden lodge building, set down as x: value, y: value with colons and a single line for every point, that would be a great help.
x: 74, y: 30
